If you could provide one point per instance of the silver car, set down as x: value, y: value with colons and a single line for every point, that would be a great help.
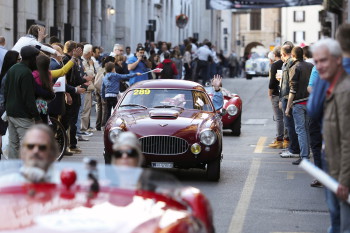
x: 257, y: 65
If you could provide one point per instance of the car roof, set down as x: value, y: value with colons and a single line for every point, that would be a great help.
x: 168, y: 83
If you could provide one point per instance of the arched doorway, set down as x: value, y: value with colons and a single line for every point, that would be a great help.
x: 249, y: 47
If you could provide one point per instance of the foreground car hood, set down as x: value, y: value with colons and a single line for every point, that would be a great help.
x: 164, y: 121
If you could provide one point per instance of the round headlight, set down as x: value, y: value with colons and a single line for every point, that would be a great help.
x: 196, y: 149
x: 207, y: 137
x: 114, y: 134
x: 232, y: 110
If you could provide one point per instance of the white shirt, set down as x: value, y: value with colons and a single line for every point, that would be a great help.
x: 31, y: 40
x: 203, y: 53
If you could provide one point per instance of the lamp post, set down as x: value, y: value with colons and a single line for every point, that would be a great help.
x: 110, y: 10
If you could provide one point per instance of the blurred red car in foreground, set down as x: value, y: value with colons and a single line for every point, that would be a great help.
x: 232, y: 110
x: 106, y: 199
x: 176, y: 123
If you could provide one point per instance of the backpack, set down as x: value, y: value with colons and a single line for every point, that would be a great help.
x: 167, y: 72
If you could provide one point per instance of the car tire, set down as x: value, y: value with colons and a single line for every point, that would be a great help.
x: 248, y: 76
x: 236, y: 126
x: 213, y: 169
x: 107, y: 158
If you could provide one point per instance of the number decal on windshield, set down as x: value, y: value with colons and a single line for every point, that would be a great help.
x: 142, y: 92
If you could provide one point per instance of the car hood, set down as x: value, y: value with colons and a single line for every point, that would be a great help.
x: 164, y: 121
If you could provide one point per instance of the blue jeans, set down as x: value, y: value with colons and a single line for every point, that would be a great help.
x: 316, y: 141
x: 332, y: 202
x: 289, y: 124
x: 301, y: 122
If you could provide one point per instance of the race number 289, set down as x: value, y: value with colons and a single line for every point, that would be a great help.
x: 142, y: 92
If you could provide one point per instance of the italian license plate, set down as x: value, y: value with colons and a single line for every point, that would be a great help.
x: 162, y: 165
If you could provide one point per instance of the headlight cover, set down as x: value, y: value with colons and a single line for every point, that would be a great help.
x: 207, y: 137
x: 232, y: 110
x: 114, y: 134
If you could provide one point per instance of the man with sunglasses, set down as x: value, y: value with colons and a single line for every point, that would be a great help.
x: 127, y: 151
x: 38, y: 151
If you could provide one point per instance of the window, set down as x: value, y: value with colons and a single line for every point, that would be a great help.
x: 255, y: 20
x: 299, y: 16
x: 299, y: 36
x: 225, y: 31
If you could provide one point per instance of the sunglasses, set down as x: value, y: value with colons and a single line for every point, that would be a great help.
x: 132, y: 153
x: 41, y: 147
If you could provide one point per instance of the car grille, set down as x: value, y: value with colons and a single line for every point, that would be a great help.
x: 163, y: 145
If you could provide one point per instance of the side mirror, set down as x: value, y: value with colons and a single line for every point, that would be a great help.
x: 223, y: 112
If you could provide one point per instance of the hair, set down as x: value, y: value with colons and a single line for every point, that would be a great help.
x: 168, y: 45
x: 107, y: 59
x: 43, y: 65
x: 116, y: 46
x: 46, y: 129
x: 277, y: 51
x: 332, y: 45
x: 59, y: 45
x: 127, y: 47
x: 69, y: 46
x: 54, y: 39
x: 287, y: 49
x: 118, y: 58
x: 87, y: 49
x: 342, y: 36
x: 271, y: 56
x: 34, y: 30
x: 166, y: 55
x: 188, y: 47
x: 2, y: 40
x: 80, y: 45
x: 307, y: 52
x: 10, y: 59
x: 95, y: 48
x: 109, y: 67
x: 298, y: 53
x: 289, y: 43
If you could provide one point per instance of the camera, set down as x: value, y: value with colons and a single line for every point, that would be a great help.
x: 144, y: 57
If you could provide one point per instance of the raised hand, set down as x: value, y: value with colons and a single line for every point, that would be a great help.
x: 216, y: 82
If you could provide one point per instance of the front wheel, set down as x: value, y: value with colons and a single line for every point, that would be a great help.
x: 213, y: 169
x: 236, y: 126
x: 60, y: 136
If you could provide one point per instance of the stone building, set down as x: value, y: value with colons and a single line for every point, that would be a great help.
x: 106, y: 22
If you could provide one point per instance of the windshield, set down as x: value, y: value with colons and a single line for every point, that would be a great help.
x: 159, y: 98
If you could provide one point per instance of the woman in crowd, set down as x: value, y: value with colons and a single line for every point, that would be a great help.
x: 187, y: 62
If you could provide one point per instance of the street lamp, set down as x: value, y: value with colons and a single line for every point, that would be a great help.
x: 111, y: 10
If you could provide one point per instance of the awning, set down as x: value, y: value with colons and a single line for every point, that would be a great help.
x: 257, y: 4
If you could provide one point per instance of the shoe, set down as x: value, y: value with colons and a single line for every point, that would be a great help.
x: 98, y: 129
x: 91, y: 130
x: 285, y: 144
x: 276, y: 145
x: 82, y: 139
x: 85, y: 134
x: 75, y: 150
x: 283, y: 151
x: 297, y: 162
x: 67, y: 153
x: 288, y: 154
x: 316, y: 184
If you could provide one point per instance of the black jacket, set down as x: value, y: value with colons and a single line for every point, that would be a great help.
x: 299, y: 74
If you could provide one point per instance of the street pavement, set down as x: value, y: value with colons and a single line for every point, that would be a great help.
x: 258, y: 191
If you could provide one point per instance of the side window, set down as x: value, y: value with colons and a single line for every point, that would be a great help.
x: 201, y: 101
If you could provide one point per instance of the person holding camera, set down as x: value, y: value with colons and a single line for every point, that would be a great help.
x: 138, y: 64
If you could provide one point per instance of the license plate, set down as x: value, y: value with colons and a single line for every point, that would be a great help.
x: 162, y: 165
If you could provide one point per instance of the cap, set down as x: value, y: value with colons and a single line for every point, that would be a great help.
x: 140, y: 48
x: 28, y: 52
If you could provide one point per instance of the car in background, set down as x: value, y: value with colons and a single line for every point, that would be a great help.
x: 231, y: 111
x: 101, y: 198
x: 176, y: 124
x: 257, y: 65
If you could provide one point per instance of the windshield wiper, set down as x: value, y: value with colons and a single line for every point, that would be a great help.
x: 133, y: 105
x: 167, y: 106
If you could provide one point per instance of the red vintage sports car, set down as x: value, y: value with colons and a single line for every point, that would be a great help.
x: 104, y: 199
x: 175, y: 122
x: 232, y: 110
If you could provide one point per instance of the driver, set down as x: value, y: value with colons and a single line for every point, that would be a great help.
x: 127, y: 151
x: 38, y: 151
x: 218, y: 98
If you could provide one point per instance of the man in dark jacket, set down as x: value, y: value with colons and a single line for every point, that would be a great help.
x: 299, y: 74
x: 20, y: 99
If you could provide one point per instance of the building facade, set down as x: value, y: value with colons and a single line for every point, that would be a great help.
x: 296, y: 23
x: 106, y: 22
